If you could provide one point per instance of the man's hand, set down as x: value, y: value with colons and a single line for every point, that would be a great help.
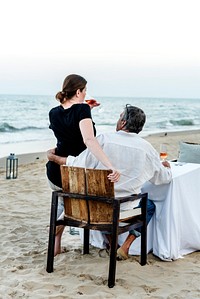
x: 50, y: 154
x: 166, y: 164
x: 54, y: 158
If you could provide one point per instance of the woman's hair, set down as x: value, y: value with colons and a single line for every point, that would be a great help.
x: 70, y: 85
x: 135, y: 118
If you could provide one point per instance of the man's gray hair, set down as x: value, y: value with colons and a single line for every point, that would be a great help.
x: 135, y: 118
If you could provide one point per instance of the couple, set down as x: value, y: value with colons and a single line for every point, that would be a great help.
x: 134, y: 158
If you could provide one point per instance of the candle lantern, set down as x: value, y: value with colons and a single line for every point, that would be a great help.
x: 11, y: 167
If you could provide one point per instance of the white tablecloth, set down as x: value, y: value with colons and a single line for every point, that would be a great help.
x: 174, y: 230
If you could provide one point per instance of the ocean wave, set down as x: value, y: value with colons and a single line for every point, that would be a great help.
x: 106, y: 124
x: 5, y: 128
x: 182, y: 122
x: 27, y: 123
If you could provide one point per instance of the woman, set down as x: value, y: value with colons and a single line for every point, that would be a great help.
x: 74, y: 130
x: 73, y: 127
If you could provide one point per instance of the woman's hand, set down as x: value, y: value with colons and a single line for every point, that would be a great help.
x: 114, y: 176
x: 92, y: 103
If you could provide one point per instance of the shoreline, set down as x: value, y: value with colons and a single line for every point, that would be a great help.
x: 26, y: 147
x: 28, y: 152
x: 173, y: 133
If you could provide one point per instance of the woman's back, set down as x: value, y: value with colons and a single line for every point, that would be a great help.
x: 65, y: 125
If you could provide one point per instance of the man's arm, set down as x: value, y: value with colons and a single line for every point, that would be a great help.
x: 53, y: 157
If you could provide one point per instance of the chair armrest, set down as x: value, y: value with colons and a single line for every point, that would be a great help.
x: 130, y: 198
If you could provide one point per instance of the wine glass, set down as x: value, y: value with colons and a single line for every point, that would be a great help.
x: 91, y: 101
x: 163, y: 152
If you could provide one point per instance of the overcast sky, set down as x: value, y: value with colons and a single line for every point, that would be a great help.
x: 136, y: 48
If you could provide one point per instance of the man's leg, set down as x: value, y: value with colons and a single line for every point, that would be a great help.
x: 122, y: 252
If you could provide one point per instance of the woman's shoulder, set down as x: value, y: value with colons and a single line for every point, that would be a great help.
x: 56, y: 108
x: 76, y: 109
x: 81, y: 107
x: 54, y: 111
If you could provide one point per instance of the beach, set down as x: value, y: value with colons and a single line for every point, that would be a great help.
x: 25, y: 212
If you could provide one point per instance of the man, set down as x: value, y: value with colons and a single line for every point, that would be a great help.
x: 135, y: 158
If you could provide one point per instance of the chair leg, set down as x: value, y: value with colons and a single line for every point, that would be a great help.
x: 112, y: 266
x: 86, y: 238
x: 52, y: 232
x: 143, y: 257
x: 113, y: 249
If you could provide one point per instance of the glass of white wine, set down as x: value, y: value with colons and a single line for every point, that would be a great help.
x: 163, y: 152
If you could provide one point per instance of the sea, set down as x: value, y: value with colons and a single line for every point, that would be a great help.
x: 24, y: 118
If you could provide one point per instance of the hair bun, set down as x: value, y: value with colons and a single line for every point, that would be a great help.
x: 60, y: 96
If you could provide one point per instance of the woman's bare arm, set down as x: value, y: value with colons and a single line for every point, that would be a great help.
x: 92, y: 144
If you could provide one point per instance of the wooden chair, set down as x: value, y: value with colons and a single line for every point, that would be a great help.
x: 90, y: 204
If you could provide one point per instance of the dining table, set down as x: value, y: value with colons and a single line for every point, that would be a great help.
x: 174, y: 230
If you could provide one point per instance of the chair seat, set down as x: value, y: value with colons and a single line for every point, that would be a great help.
x: 127, y: 214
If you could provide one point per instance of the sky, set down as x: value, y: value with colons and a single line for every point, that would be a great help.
x: 137, y: 48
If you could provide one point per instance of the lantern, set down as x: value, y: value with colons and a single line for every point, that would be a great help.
x: 11, y: 167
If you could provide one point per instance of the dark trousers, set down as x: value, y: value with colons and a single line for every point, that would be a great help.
x: 150, y: 211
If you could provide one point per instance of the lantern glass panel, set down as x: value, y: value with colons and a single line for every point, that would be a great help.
x: 11, y: 166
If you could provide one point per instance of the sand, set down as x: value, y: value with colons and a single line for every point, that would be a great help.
x: 172, y: 139
x: 25, y: 207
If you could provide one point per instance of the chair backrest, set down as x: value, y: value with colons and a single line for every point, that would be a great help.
x: 92, y: 182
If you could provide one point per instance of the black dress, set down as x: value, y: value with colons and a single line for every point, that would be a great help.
x: 65, y: 125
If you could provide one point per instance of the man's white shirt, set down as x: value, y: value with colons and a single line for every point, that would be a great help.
x: 135, y: 159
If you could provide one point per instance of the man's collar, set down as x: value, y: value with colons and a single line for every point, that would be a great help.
x: 123, y: 132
